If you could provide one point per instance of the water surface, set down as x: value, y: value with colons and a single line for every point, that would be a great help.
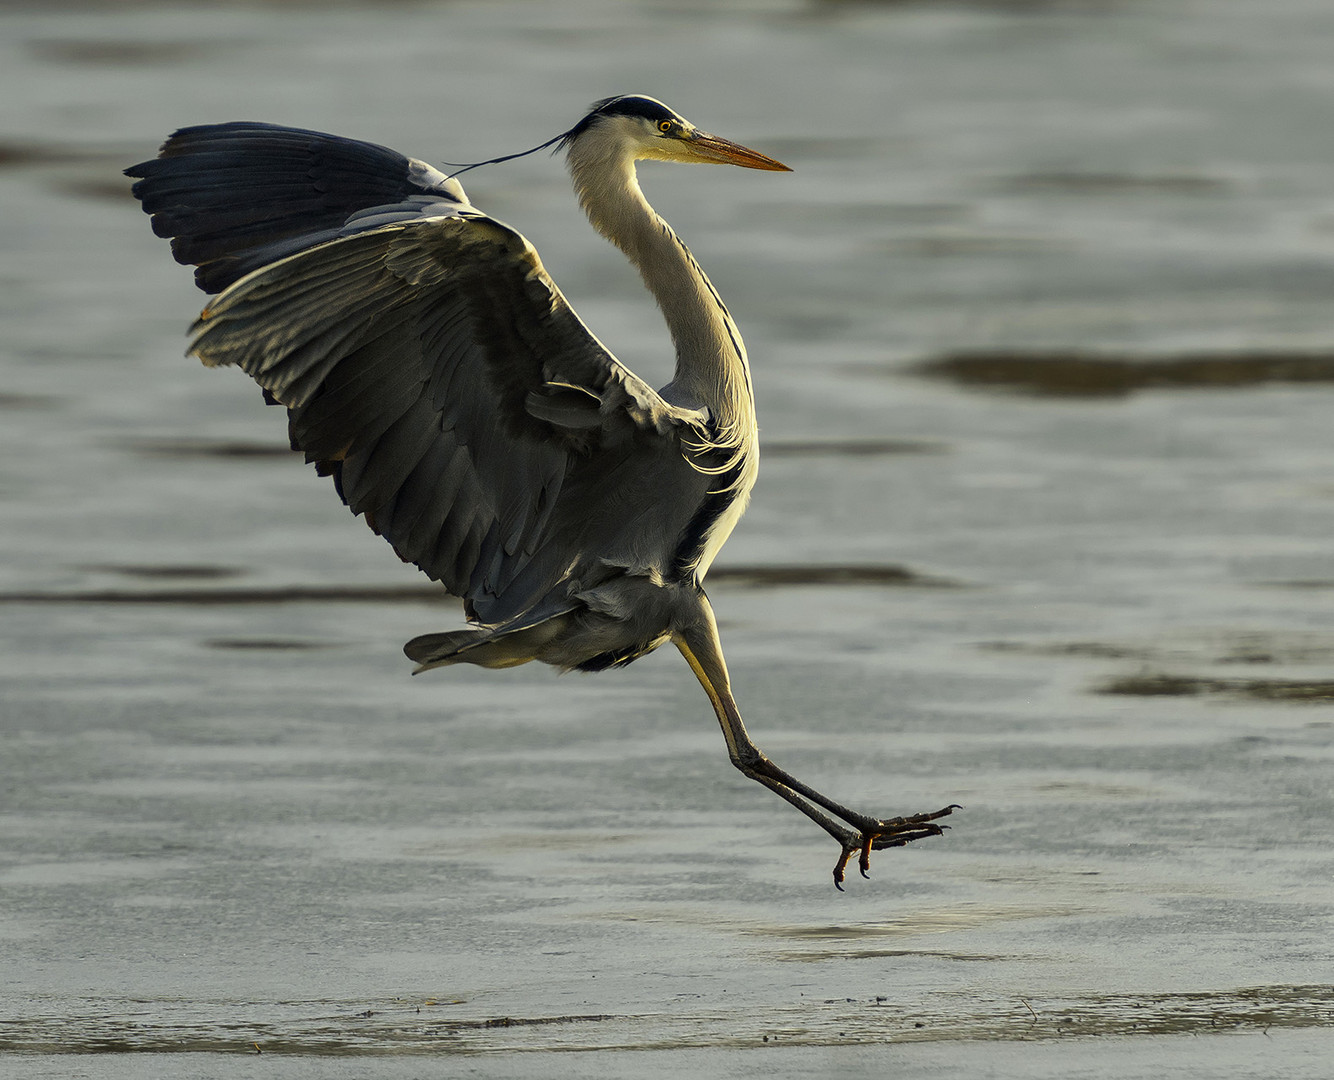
x: 1098, y: 616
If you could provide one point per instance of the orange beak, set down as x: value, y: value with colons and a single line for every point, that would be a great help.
x: 712, y: 148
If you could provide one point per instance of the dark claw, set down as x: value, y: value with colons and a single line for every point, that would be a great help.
x: 841, y: 865
x: 894, y: 832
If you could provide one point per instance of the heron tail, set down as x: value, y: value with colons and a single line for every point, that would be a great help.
x: 497, y: 647
x: 440, y: 650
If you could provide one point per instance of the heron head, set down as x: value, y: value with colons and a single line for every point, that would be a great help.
x: 641, y: 127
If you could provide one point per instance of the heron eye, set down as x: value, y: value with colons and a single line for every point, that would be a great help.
x: 666, y: 126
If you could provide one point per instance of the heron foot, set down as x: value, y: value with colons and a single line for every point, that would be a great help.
x: 891, y: 832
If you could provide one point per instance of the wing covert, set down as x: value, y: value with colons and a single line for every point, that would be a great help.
x: 430, y: 364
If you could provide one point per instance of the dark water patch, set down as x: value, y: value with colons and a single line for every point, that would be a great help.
x: 1017, y: 6
x: 1197, y: 1013
x: 739, y: 576
x: 324, y: 1029
x: 283, y: 594
x: 1076, y: 373
x: 205, y: 448
x: 22, y: 402
x: 166, y: 573
x: 80, y: 170
x: 109, y: 188
x: 1092, y: 183
x: 842, y: 937
x: 267, y: 644
x: 1231, y: 647
x: 819, y: 955
x: 848, y: 447
x: 74, y: 6
x: 529, y: 1021
x: 1296, y: 691
x: 972, y: 244
x: 16, y: 154
x: 107, y: 53
x: 852, y: 574
x: 1098, y: 650
x: 1295, y: 648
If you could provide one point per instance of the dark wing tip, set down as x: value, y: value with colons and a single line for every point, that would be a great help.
x: 237, y: 195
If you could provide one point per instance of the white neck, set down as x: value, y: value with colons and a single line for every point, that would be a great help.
x: 711, y: 366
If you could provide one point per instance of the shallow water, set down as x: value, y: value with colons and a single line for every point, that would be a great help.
x: 1081, y: 585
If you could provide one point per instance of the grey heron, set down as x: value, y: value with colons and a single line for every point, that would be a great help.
x: 433, y: 369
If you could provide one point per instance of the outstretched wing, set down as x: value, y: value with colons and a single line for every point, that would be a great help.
x: 426, y: 359
x: 236, y: 196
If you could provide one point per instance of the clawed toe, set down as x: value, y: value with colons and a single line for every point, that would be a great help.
x: 894, y: 832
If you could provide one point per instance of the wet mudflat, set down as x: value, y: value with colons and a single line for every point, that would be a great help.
x: 1040, y: 328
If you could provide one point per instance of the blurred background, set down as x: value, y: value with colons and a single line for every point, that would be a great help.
x: 1041, y: 332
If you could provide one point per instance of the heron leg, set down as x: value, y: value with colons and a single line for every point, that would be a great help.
x: 699, y: 644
